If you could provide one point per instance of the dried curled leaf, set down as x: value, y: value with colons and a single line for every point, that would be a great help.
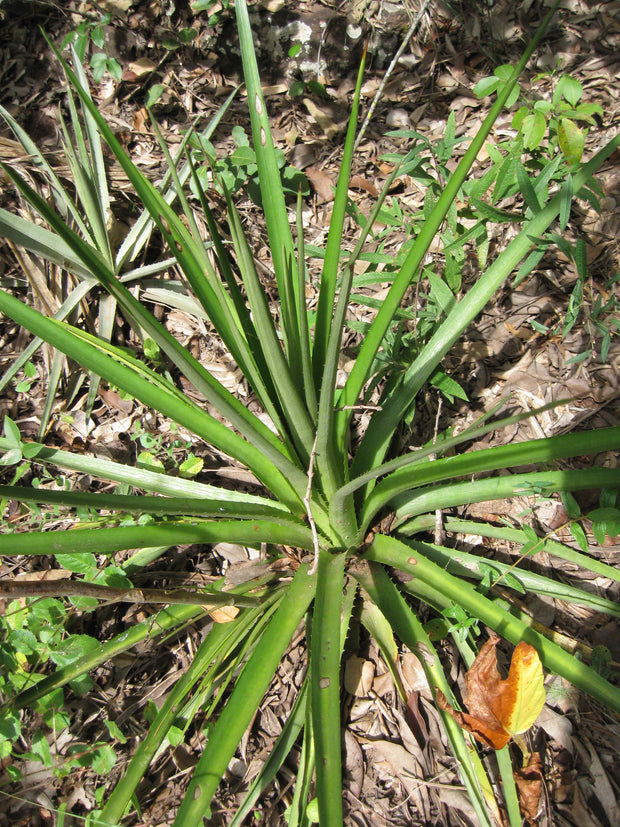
x: 500, y: 709
x: 529, y: 786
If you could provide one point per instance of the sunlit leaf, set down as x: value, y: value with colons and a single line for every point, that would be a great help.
x: 571, y: 139
x: 500, y: 709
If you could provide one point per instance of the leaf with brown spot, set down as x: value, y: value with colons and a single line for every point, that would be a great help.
x: 500, y: 709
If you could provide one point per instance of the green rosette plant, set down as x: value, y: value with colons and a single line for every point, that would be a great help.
x: 320, y: 489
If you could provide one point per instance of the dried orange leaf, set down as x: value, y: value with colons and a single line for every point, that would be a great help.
x: 500, y: 709
x: 522, y: 695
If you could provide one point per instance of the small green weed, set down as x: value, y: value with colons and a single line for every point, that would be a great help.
x: 92, y: 31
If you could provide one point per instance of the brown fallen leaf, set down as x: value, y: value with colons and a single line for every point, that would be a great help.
x: 529, y: 786
x: 321, y: 183
x: 358, y: 182
x: 138, y: 69
x: 500, y: 709
x: 331, y: 118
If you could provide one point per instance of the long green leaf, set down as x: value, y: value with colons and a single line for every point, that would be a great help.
x: 482, y: 426
x: 392, y: 552
x: 188, y: 252
x: 166, y: 620
x: 96, y: 163
x: 329, y: 275
x: 153, y: 481
x: 496, y: 488
x: 516, y: 535
x: 256, y: 370
x: 533, y: 452
x: 375, y: 335
x: 278, y: 755
x: 381, y: 429
x: 289, y: 395
x: 462, y: 564
x: 331, y: 464
x: 406, y: 625
x: 226, y: 403
x: 40, y: 241
x: 64, y: 203
x: 108, y: 540
x: 305, y: 355
x: 92, y: 204
x: 325, y: 655
x: 144, y: 504
x: 274, y: 207
x: 240, y: 708
x: 219, y: 640
x: 152, y: 390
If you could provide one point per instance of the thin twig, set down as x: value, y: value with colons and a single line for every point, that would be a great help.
x: 360, y: 408
x: 390, y: 69
x: 72, y: 588
x: 306, y: 501
x: 440, y: 532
